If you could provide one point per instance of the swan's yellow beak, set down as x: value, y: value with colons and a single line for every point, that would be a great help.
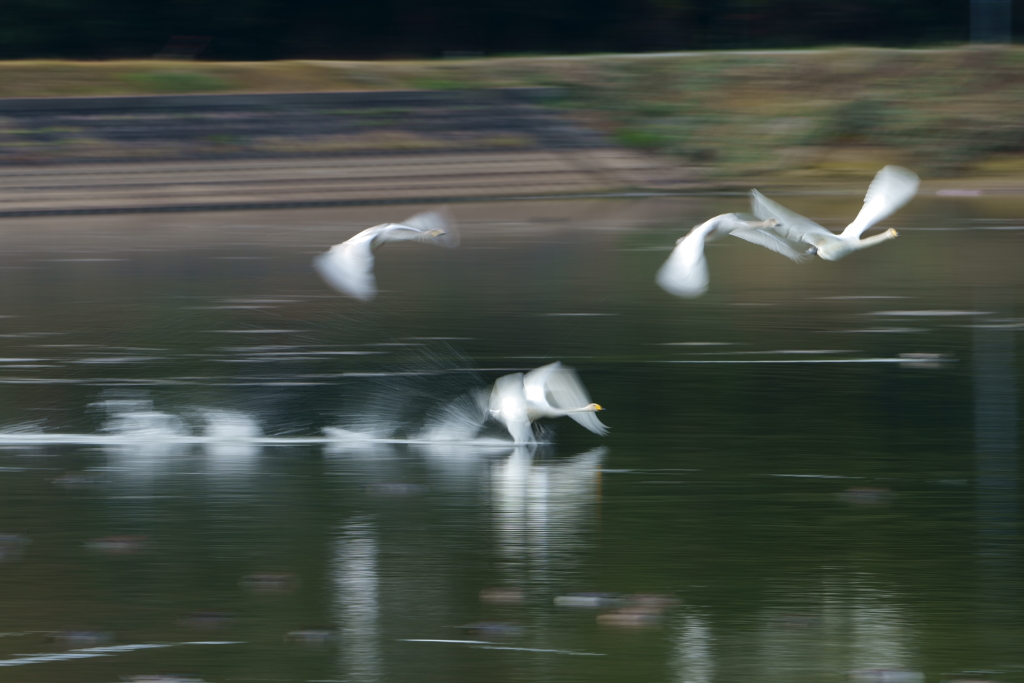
x: 597, y: 407
x: 435, y: 233
x: 893, y: 233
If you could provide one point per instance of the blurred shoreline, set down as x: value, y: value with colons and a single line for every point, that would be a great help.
x: 474, y: 128
x: 236, y: 152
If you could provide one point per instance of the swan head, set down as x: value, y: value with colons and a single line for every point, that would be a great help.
x: 435, y: 233
x: 594, y: 407
x: 892, y: 233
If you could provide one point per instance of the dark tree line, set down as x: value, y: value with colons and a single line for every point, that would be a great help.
x: 274, y: 29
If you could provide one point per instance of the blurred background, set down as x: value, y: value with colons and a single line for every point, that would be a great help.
x: 214, y: 467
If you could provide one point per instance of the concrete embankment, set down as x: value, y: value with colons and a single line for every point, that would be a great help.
x: 207, y: 152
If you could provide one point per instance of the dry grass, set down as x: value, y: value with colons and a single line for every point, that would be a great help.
x: 784, y: 114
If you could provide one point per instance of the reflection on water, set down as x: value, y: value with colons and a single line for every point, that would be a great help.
x: 355, y: 580
x: 693, y: 660
x: 997, y: 452
x: 542, y: 514
x: 196, y: 435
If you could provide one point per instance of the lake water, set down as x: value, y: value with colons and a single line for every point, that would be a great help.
x: 812, y: 472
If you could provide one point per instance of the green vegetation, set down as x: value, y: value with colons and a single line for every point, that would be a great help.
x: 161, y: 82
x: 945, y: 112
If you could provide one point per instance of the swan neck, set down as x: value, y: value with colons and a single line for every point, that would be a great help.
x: 876, y: 239
x: 584, y: 409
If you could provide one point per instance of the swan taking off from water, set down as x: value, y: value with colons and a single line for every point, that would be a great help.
x: 891, y: 189
x: 685, y: 273
x: 348, y: 267
x: 552, y: 390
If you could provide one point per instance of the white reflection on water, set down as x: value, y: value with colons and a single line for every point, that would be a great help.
x: 107, y: 651
x: 835, y: 629
x: 355, y: 577
x: 929, y: 313
x: 874, y: 629
x: 880, y: 632
x: 693, y: 659
x: 540, y: 509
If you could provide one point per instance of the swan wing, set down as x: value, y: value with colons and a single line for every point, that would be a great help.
x: 892, y: 187
x: 348, y: 267
x: 535, y: 387
x: 766, y: 239
x: 791, y: 225
x: 685, y: 272
x: 508, y: 406
x: 563, y: 391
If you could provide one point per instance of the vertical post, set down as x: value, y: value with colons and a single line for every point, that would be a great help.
x: 990, y: 21
x: 997, y: 480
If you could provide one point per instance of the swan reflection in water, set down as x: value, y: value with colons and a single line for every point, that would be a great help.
x: 355, y: 574
x: 542, y: 510
x: 692, y: 656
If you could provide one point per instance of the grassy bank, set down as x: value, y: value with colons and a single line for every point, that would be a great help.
x: 952, y: 112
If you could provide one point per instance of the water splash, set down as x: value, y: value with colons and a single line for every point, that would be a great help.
x: 459, y: 420
x: 137, y: 420
x: 230, y: 435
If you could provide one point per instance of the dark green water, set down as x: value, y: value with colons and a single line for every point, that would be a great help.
x: 807, y: 501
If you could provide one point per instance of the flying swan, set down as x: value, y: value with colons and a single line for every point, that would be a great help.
x: 552, y: 390
x: 685, y: 273
x: 889, y: 191
x: 348, y: 267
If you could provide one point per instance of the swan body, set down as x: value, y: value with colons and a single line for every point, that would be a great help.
x: 685, y: 273
x: 348, y: 267
x: 891, y: 188
x: 553, y: 390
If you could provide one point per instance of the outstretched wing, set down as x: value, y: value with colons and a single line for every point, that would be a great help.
x: 685, y: 272
x: 507, y: 392
x: 535, y: 384
x: 892, y: 187
x: 508, y: 405
x: 791, y: 225
x: 348, y: 267
x: 563, y: 390
x: 777, y: 244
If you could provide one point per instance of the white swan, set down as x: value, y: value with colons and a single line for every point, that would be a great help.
x: 685, y: 273
x: 552, y: 390
x: 891, y: 189
x: 348, y: 267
